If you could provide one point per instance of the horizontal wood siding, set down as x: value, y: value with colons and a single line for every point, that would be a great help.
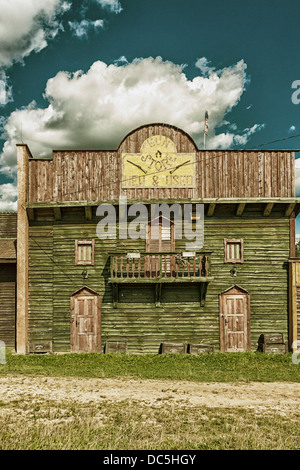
x: 40, y: 311
x: 97, y: 174
x: 8, y: 225
x: 179, y: 318
x: 8, y: 304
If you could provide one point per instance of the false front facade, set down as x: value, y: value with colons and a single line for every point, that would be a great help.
x: 156, y: 242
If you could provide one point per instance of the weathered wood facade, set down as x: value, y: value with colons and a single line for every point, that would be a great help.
x: 8, y: 259
x: 226, y: 294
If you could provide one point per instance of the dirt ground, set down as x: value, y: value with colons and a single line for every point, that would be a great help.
x: 281, y: 397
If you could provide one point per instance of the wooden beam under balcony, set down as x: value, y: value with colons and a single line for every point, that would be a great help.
x: 240, y: 209
x: 57, y: 213
x: 268, y: 209
x: 211, y: 210
x: 158, y: 280
x: 290, y: 208
x: 88, y: 213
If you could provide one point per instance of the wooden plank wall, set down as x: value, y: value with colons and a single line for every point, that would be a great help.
x: 8, y: 225
x: 179, y: 318
x: 97, y: 174
x: 40, y: 279
x: 8, y: 303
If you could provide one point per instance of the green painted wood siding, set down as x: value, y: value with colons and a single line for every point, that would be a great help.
x: 53, y: 278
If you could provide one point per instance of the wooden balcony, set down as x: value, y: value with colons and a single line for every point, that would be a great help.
x: 159, y: 267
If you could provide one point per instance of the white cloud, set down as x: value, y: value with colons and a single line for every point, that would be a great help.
x: 5, y: 90
x: 112, y: 5
x: 25, y: 27
x: 8, y: 197
x: 203, y: 65
x: 98, y: 108
x: 81, y: 29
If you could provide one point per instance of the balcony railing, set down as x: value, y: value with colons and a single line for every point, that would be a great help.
x: 159, y: 267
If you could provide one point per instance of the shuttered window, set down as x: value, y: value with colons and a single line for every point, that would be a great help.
x: 160, y: 236
x: 84, y: 252
x: 233, y: 250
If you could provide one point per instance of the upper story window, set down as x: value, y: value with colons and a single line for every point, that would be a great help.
x: 160, y: 236
x: 233, y: 250
x: 84, y: 252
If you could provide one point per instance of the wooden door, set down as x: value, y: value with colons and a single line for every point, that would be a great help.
x: 235, y: 320
x: 85, y: 321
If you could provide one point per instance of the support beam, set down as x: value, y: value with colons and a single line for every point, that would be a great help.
x: 211, y: 210
x: 203, y: 289
x: 293, y: 327
x: 115, y: 293
x: 240, y: 209
x: 157, y: 295
x: 88, y: 212
x: 57, y: 213
x: 268, y: 209
x: 293, y: 235
x: 23, y: 155
x: 289, y: 209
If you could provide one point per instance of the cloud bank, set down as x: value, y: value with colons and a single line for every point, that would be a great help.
x: 25, y: 27
x: 98, y: 108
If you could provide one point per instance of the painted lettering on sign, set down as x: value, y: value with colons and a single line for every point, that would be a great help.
x: 158, y: 165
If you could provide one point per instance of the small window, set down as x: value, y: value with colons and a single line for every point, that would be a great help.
x: 84, y: 252
x: 233, y: 251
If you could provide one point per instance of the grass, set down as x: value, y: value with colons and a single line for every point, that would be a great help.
x: 39, y: 423
x: 212, y: 367
x: 135, y: 426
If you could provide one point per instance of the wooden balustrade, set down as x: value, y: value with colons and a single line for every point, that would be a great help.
x: 143, y: 266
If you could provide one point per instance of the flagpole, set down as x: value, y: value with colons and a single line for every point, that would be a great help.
x: 205, y: 128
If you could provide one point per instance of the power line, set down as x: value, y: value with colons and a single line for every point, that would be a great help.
x: 279, y: 140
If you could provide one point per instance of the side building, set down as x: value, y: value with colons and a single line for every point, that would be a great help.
x: 8, y: 260
x: 94, y: 274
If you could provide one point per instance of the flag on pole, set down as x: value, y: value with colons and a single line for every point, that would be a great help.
x: 206, y: 123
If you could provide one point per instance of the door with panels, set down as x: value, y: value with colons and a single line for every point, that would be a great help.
x: 234, y: 306
x: 85, y: 321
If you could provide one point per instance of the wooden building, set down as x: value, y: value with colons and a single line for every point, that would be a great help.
x: 8, y: 259
x: 78, y: 292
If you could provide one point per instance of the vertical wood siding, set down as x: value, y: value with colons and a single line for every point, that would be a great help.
x: 97, y: 174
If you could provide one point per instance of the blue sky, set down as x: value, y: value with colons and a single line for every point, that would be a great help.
x: 84, y: 73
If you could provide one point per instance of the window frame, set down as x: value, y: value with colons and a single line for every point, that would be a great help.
x: 236, y: 241
x: 90, y: 243
x: 160, y: 220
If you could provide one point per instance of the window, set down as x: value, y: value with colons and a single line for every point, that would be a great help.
x: 160, y: 238
x: 233, y: 250
x: 84, y: 252
x: 160, y: 235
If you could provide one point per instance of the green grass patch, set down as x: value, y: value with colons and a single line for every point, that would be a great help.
x: 135, y: 426
x: 212, y: 367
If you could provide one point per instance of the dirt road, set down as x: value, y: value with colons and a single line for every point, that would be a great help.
x: 280, y: 397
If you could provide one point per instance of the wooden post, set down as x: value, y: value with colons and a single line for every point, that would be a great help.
x: 293, y: 305
x: 23, y: 155
x: 292, y: 235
